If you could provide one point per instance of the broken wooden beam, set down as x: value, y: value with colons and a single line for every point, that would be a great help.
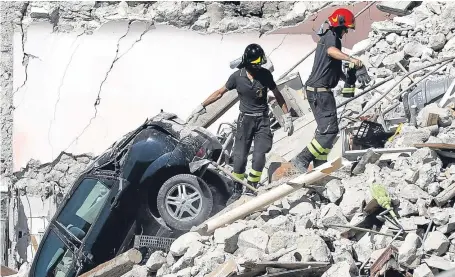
x: 268, y: 197
x: 444, y: 196
x: 117, y: 266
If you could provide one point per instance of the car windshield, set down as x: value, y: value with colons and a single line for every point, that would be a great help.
x: 55, y: 259
x: 84, y: 207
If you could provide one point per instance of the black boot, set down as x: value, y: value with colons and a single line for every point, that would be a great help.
x: 303, y: 160
x: 237, y: 192
x: 249, y: 191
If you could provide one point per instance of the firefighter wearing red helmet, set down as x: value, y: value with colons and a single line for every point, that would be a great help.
x: 326, y: 72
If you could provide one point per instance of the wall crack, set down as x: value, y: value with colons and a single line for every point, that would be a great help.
x: 98, y: 98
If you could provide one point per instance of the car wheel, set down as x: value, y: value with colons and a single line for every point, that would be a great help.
x: 184, y: 201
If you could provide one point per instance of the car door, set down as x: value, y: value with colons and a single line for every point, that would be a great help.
x: 81, y: 214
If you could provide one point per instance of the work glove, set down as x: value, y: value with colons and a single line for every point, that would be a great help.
x: 200, y: 110
x: 349, y: 85
x: 288, y: 125
x: 362, y: 76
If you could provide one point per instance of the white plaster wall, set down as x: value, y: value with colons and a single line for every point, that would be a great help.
x: 167, y: 69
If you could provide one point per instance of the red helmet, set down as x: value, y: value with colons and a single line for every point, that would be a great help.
x: 342, y: 17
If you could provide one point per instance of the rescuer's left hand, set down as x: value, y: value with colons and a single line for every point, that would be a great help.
x: 288, y: 125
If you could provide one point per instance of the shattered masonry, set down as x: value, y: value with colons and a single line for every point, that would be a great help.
x: 204, y: 17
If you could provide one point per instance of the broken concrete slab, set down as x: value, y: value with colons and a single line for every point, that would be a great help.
x: 436, y: 243
x: 182, y: 243
x: 281, y: 240
x: 407, y: 253
x: 279, y: 223
x: 333, y: 190
x: 310, y: 241
x: 229, y: 236
x: 439, y: 263
x: 253, y: 238
x: 156, y: 260
x: 341, y: 269
x: 423, y: 271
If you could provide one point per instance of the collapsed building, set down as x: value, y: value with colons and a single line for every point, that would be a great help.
x: 333, y: 229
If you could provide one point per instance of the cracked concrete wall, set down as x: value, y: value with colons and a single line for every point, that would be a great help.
x: 82, y: 92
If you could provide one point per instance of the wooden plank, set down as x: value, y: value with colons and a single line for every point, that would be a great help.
x: 436, y: 145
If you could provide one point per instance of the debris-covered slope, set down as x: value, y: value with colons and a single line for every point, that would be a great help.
x: 305, y: 226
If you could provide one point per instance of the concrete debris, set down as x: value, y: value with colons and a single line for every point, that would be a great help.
x: 254, y: 238
x: 423, y: 271
x: 333, y: 190
x: 407, y: 253
x: 436, y: 243
x: 299, y: 227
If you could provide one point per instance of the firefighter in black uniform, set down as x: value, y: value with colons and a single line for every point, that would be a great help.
x: 252, y: 82
x: 325, y: 75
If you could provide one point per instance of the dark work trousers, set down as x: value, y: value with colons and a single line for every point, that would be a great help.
x: 324, y: 109
x: 249, y: 128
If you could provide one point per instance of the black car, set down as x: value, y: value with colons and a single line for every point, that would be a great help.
x: 141, y: 185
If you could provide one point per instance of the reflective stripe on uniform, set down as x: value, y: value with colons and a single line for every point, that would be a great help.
x: 319, y: 152
x: 241, y: 176
x: 254, y: 176
x: 348, y: 90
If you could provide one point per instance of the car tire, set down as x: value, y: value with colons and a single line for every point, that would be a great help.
x: 184, y: 201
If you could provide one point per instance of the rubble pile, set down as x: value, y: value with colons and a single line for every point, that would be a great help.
x: 205, y: 17
x: 49, y: 179
x: 340, y: 224
x: 403, y: 44
x: 310, y: 225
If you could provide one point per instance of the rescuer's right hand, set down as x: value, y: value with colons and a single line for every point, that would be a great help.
x: 200, y: 110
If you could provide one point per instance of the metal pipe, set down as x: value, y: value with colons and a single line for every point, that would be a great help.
x: 402, y: 78
x: 312, y: 51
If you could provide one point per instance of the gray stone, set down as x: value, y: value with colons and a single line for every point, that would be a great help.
x: 363, y: 248
x: 391, y: 38
x: 279, y: 223
x: 333, y: 214
x: 302, y: 209
x: 280, y: 240
x: 182, y: 243
x: 229, y: 236
x: 416, y: 49
x: 253, y: 238
x: 360, y: 47
x: 251, y: 255
x: 186, y: 261
x: 407, y: 208
x: 448, y: 228
x: 427, y: 175
x: 210, y: 260
x: 354, y: 203
x: 423, y: 156
x: 184, y: 273
x: 450, y: 45
x: 333, y: 190
x: 313, y: 243
x: 412, y: 193
x: 411, y: 176
x: 439, y: 216
x: 436, y: 243
x: 302, y: 223
x: 445, y: 116
x: 156, y: 260
x: 434, y: 189
x: 407, y: 253
x: 341, y: 269
x: 423, y: 271
x: 296, y: 15
x: 136, y: 271
x: 437, y: 42
x: 390, y: 60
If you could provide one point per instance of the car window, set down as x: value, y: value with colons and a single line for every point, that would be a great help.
x: 55, y: 259
x: 83, y: 207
